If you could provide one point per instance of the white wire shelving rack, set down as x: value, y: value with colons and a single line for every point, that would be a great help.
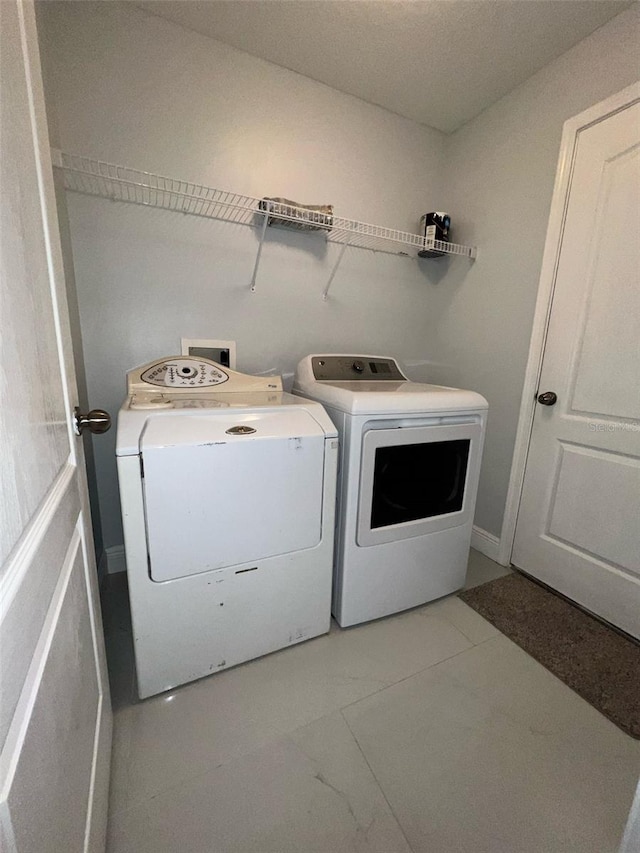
x: 121, y: 183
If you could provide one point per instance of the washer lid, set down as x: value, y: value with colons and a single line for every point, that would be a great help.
x: 209, y: 427
x: 134, y: 420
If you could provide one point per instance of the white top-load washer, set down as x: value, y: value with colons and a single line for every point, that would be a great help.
x: 408, y: 476
x: 227, y: 489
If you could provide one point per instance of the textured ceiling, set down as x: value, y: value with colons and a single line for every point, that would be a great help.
x: 438, y: 62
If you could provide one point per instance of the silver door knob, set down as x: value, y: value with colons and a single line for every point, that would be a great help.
x: 97, y: 421
x: 549, y: 398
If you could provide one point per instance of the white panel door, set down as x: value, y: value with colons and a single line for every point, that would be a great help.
x: 55, y: 714
x: 578, y: 526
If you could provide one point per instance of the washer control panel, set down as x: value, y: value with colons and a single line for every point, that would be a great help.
x: 347, y: 368
x: 188, y: 381
x: 184, y: 373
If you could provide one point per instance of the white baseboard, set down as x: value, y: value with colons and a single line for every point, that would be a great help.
x: 486, y: 543
x: 112, y: 561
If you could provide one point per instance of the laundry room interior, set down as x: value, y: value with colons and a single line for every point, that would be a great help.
x: 261, y: 173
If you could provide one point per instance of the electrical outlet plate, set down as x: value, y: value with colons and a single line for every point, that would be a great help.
x: 224, y: 352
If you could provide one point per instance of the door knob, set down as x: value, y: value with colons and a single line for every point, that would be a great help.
x: 549, y: 398
x: 96, y: 421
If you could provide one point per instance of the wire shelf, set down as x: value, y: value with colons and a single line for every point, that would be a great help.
x: 122, y: 183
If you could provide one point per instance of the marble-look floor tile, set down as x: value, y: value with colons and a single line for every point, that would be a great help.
x: 481, y: 569
x: 169, y: 738
x: 490, y: 753
x: 311, y: 791
x: 464, y: 618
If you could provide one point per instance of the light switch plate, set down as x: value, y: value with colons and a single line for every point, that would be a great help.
x: 224, y: 352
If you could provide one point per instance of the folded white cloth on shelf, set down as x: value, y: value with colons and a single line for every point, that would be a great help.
x: 302, y: 217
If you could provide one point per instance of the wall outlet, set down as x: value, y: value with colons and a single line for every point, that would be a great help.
x: 224, y: 352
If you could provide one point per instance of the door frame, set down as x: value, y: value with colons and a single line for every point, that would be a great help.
x: 544, y: 302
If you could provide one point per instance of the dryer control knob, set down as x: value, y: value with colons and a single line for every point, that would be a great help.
x: 358, y: 366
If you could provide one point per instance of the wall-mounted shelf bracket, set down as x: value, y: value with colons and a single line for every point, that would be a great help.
x: 263, y: 229
x: 325, y: 295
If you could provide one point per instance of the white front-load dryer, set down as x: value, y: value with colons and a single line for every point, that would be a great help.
x: 408, y: 476
x: 227, y: 489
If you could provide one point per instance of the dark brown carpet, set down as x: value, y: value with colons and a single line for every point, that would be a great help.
x: 600, y: 664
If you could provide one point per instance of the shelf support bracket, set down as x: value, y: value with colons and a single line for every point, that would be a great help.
x: 257, y: 263
x: 325, y: 295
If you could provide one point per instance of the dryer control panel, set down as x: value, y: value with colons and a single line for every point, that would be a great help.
x: 346, y: 368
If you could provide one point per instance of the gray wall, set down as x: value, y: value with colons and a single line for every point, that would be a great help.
x: 135, y: 89
x: 501, y: 169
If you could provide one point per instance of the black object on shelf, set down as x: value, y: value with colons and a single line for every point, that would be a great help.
x: 434, y: 226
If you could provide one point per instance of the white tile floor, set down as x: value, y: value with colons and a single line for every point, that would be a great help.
x: 427, y: 731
